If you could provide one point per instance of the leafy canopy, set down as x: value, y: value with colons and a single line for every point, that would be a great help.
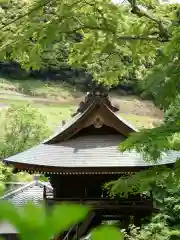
x: 113, y: 39
x: 163, y: 83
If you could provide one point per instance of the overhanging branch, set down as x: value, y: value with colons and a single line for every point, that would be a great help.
x: 120, y: 37
x: 163, y: 32
x: 25, y: 14
x: 143, y: 38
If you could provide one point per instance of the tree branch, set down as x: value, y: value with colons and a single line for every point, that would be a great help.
x: 143, y: 13
x: 122, y: 37
x: 141, y: 37
x: 163, y: 32
x: 25, y: 14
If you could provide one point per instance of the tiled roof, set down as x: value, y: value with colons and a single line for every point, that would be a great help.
x: 86, y: 151
x: 32, y: 191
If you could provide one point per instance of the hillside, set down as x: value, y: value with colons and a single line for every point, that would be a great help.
x: 57, y: 101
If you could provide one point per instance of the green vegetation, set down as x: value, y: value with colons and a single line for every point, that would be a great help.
x: 57, y: 101
x: 165, y: 224
x: 51, y: 90
x: 141, y: 121
x: 55, y: 113
x: 34, y: 222
x: 22, y: 127
x: 137, y: 42
x: 108, y: 41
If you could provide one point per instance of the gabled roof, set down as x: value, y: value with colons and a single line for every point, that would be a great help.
x: 97, y: 108
x: 32, y: 191
x: 80, y: 147
x: 96, y: 104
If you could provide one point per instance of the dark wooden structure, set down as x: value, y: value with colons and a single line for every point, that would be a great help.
x: 81, y: 156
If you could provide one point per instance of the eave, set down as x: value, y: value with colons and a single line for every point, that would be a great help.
x: 97, y: 108
x: 82, y: 170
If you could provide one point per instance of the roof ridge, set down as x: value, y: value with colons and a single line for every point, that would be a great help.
x: 25, y: 187
x: 43, y: 184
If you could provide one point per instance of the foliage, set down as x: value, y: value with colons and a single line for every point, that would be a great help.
x: 154, y: 230
x: 21, y: 128
x: 5, y: 176
x: 114, y: 41
x: 163, y: 82
x: 53, y: 60
x: 153, y: 145
x: 164, y: 225
x: 100, y: 37
x: 106, y: 233
x: 145, y: 181
x: 38, y: 223
x: 138, y: 183
x: 166, y: 71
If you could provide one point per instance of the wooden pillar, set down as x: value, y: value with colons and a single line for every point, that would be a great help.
x: 137, y: 219
x: 125, y: 222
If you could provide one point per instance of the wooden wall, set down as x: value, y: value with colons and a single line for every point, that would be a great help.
x: 75, y: 186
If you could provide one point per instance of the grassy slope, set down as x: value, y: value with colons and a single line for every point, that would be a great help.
x: 50, y: 90
x: 58, y: 101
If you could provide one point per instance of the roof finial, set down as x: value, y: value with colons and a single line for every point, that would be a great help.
x: 99, y: 93
x: 100, y: 90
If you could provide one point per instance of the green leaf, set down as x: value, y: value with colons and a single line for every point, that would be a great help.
x: 64, y: 216
x: 4, y: 1
x: 107, y: 233
x: 35, y: 222
x: 10, y: 213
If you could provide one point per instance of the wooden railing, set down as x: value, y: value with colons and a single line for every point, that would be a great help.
x: 142, y: 200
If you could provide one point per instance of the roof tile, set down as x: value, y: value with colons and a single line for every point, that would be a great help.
x: 32, y: 191
x: 86, y: 151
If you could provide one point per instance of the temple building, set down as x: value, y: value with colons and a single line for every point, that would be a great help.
x: 83, y: 155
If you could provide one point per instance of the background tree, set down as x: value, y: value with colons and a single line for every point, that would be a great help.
x: 164, y: 225
x: 22, y: 127
x: 114, y: 37
x: 5, y: 176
